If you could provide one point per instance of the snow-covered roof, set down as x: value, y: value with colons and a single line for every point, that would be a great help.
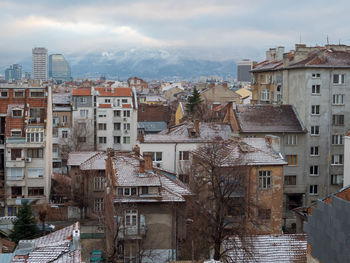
x: 289, y: 248
x: 55, y: 247
x: 77, y: 158
x: 180, y: 133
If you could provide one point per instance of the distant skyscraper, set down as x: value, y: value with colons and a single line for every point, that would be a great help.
x: 39, y: 63
x: 13, y: 73
x: 243, y: 70
x: 27, y: 75
x: 59, y: 69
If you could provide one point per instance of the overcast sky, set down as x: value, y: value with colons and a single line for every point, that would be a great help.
x: 210, y: 29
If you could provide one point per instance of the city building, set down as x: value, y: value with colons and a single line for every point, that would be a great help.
x: 39, y: 63
x: 104, y: 117
x: 138, y: 84
x: 59, y: 69
x: 316, y: 81
x: 13, y: 73
x: 219, y: 94
x: 26, y: 144
x: 243, y: 70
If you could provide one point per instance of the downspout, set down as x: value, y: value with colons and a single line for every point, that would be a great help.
x: 175, y: 164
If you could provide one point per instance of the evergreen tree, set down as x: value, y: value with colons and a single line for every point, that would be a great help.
x: 193, y: 101
x: 24, y: 226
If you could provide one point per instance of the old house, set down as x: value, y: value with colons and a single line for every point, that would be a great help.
x: 219, y: 94
x: 138, y: 84
x: 146, y: 205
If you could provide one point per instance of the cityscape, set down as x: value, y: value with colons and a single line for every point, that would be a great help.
x: 168, y: 152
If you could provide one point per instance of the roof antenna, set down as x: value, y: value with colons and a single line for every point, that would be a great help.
x: 327, y: 40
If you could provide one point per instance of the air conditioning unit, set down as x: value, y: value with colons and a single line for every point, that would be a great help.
x: 28, y: 159
x: 125, y: 119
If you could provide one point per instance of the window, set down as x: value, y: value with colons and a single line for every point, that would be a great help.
x: 290, y: 180
x: 117, y: 126
x: 107, y: 100
x: 314, y: 170
x: 337, y: 179
x: 16, y: 153
x: 130, y: 218
x: 3, y: 93
x: 120, y: 191
x: 102, y: 139
x: 84, y: 113
x: 117, y: 113
x: 56, y: 165
x: 127, y: 191
x: 337, y: 139
x: 34, y: 191
x: 338, y: 99
x: 316, y: 75
x: 16, y: 133
x: 102, y: 126
x: 265, y: 95
x: 315, y: 89
x: 124, y: 100
x: 99, y: 205
x: 337, y: 159
x: 313, y: 189
x: 315, y: 130
x: 264, y: 214
x: 291, y: 139
x: 338, y: 120
x: 184, y: 155
x: 16, y: 174
x: 38, y: 153
x: 16, y: 113
x: 315, y: 109
x: 35, y: 172
x: 157, y: 157
x: 116, y: 139
x: 127, y: 126
x: 83, y: 100
x: 55, y: 148
x: 314, y: 151
x: 99, y: 182
x: 126, y: 140
x: 126, y: 113
x: 292, y: 159
x: 338, y: 78
x: 144, y: 190
x: 64, y: 134
x: 64, y: 118
x: 19, y: 94
x: 16, y: 191
x: 264, y: 179
x: 118, y: 103
x: 33, y: 136
x: 81, y: 139
x: 37, y: 94
x: 102, y: 114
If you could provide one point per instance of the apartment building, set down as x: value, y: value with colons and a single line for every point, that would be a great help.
x: 26, y: 137
x: 316, y: 81
x: 62, y: 128
x: 40, y: 63
x: 138, y: 84
x: 105, y: 117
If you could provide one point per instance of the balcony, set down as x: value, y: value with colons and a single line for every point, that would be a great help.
x: 15, y: 178
x: 132, y: 232
x: 18, y: 162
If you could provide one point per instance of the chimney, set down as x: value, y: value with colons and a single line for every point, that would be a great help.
x: 76, y: 239
x: 273, y: 142
x: 137, y: 150
x: 224, y: 84
x: 196, y: 126
x: 147, y: 156
x: 142, y: 166
x: 110, y: 152
x: 212, y: 85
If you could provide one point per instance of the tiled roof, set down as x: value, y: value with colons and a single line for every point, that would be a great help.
x: 269, y: 249
x: 244, y: 92
x: 268, y: 65
x: 180, y: 133
x: 77, y: 158
x: 324, y: 58
x: 114, y: 92
x: 81, y: 92
x: 152, y: 126
x: 268, y: 118
x: 61, y: 98
x: 102, y: 105
x: 95, y: 162
x: 55, y: 247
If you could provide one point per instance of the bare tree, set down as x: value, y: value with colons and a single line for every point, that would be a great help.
x: 220, y: 207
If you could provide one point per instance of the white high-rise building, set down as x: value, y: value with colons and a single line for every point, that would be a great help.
x: 39, y: 63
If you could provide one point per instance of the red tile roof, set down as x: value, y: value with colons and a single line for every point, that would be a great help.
x: 127, y: 106
x: 105, y: 106
x: 81, y: 92
x: 114, y: 92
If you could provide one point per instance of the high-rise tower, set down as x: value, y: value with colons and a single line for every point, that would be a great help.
x: 39, y: 63
x: 59, y: 69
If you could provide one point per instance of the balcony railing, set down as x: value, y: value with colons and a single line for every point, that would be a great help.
x: 15, y: 178
x: 132, y: 231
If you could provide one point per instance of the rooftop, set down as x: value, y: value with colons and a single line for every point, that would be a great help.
x: 268, y: 118
x: 81, y: 92
x: 114, y: 92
